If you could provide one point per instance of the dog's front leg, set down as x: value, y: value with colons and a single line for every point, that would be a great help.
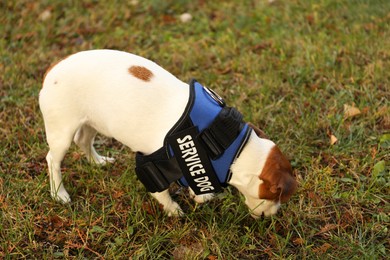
x: 170, y: 206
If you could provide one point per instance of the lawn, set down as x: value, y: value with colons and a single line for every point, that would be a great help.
x: 314, y: 75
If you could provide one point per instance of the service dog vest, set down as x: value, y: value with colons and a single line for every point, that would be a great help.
x: 199, y: 149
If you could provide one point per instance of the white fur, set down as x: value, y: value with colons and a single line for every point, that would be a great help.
x: 93, y: 91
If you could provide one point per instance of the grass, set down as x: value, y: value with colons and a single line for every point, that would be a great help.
x: 289, y: 66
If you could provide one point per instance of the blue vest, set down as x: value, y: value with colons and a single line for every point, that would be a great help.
x: 199, y: 149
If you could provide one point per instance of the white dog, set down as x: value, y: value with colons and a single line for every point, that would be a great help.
x: 140, y: 104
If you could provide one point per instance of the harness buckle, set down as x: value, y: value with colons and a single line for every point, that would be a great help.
x: 215, y: 96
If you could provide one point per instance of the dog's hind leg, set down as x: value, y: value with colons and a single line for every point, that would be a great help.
x: 59, y: 142
x: 84, y: 138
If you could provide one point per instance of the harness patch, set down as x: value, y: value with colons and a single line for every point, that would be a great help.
x: 194, y: 161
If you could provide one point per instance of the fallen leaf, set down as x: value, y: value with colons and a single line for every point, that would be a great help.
x: 333, y: 139
x: 117, y: 194
x: 351, y: 111
x: 168, y: 19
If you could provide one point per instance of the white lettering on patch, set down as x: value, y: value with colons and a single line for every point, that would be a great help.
x: 193, y: 162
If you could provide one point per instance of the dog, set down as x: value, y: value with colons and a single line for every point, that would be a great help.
x: 137, y: 102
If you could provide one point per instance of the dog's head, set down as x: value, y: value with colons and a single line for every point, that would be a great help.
x: 263, y: 175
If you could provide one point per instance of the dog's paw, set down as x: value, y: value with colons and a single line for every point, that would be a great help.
x: 201, y: 198
x: 103, y: 160
x: 61, y: 196
x: 174, y: 210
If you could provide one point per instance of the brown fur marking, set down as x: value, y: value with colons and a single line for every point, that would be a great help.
x: 141, y: 72
x: 279, y: 183
x: 52, y: 66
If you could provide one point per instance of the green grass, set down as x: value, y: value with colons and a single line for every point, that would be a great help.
x: 289, y: 66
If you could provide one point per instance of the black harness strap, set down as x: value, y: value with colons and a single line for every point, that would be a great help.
x: 157, y: 174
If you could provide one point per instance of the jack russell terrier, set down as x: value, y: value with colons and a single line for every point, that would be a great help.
x: 180, y: 132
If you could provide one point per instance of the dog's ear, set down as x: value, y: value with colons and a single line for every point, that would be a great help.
x: 279, y: 183
x: 258, y: 132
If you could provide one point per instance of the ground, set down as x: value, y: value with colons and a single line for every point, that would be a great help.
x: 314, y: 75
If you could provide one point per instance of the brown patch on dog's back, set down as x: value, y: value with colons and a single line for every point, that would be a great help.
x: 141, y: 72
x: 279, y: 183
x: 52, y: 66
